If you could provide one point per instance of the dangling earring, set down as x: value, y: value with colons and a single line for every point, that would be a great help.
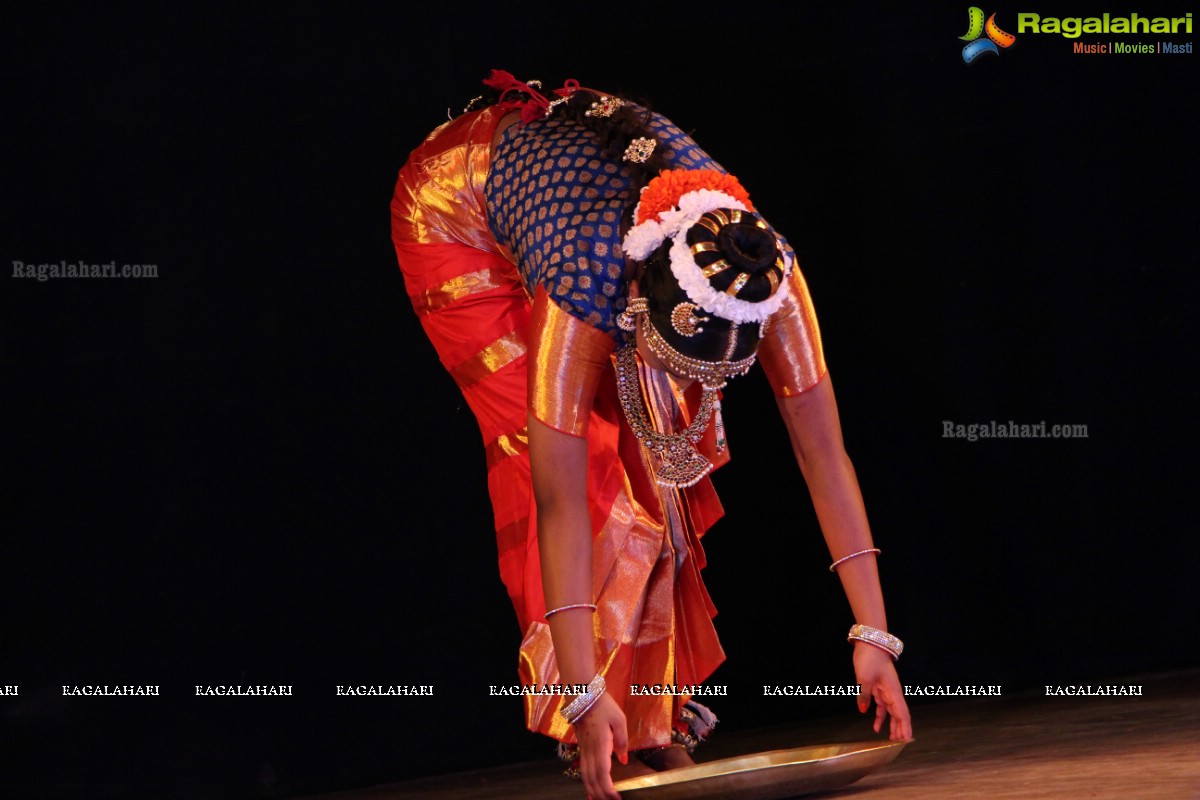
x: 627, y: 319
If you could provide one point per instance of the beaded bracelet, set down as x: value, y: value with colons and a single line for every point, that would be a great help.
x: 881, y: 639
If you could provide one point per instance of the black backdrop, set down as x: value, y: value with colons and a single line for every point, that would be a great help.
x: 252, y: 470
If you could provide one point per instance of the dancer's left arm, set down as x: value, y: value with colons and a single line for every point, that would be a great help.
x: 816, y: 435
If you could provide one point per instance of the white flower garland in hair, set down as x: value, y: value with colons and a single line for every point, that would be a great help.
x: 704, y: 294
x: 646, y: 237
x: 642, y: 240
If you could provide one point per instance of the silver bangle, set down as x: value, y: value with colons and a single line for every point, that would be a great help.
x: 582, y: 711
x: 881, y: 639
x: 554, y: 611
x: 833, y: 566
x: 573, y: 711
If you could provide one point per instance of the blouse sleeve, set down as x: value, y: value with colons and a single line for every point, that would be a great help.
x: 791, y: 352
x: 567, y: 357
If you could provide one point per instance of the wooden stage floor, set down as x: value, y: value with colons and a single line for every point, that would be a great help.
x: 1009, y: 748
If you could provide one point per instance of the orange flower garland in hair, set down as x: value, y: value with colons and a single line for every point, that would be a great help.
x: 670, y: 205
x: 663, y: 193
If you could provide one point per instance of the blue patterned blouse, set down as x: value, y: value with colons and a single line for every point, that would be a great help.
x: 556, y: 202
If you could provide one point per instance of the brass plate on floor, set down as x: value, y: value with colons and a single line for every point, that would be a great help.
x: 773, y: 775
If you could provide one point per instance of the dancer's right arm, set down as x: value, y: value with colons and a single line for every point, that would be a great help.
x: 558, y: 462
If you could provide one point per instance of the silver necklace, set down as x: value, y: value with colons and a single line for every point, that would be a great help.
x: 681, y: 465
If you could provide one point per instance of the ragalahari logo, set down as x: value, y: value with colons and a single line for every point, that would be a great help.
x: 996, y: 38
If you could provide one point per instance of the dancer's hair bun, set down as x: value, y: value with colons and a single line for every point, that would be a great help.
x: 742, y: 251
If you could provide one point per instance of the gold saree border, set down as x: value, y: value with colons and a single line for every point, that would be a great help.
x: 439, y: 196
x: 458, y: 287
x: 567, y: 359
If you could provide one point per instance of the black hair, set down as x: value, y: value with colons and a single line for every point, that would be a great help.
x: 739, y: 239
x: 748, y: 249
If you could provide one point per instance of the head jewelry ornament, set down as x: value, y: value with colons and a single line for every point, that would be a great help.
x: 640, y: 150
x: 604, y: 107
x: 684, y: 320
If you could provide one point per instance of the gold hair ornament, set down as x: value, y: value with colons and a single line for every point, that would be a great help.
x: 604, y: 107
x: 685, y: 321
x: 710, y: 373
x: 640, y: 150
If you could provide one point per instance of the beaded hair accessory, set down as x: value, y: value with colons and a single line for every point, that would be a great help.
x: 533, y: 104
x: 710, y: 373
x: 555, y: 104
x: 604, y: 107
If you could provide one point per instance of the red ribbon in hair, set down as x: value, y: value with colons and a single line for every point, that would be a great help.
x: 537, y: 105
x: 505, y: 83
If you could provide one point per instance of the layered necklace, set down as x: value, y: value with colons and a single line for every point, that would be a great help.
x: 680, y: 464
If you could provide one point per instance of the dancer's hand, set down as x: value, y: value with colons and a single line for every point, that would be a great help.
x: 878, y: 680
x: 601, y: 733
